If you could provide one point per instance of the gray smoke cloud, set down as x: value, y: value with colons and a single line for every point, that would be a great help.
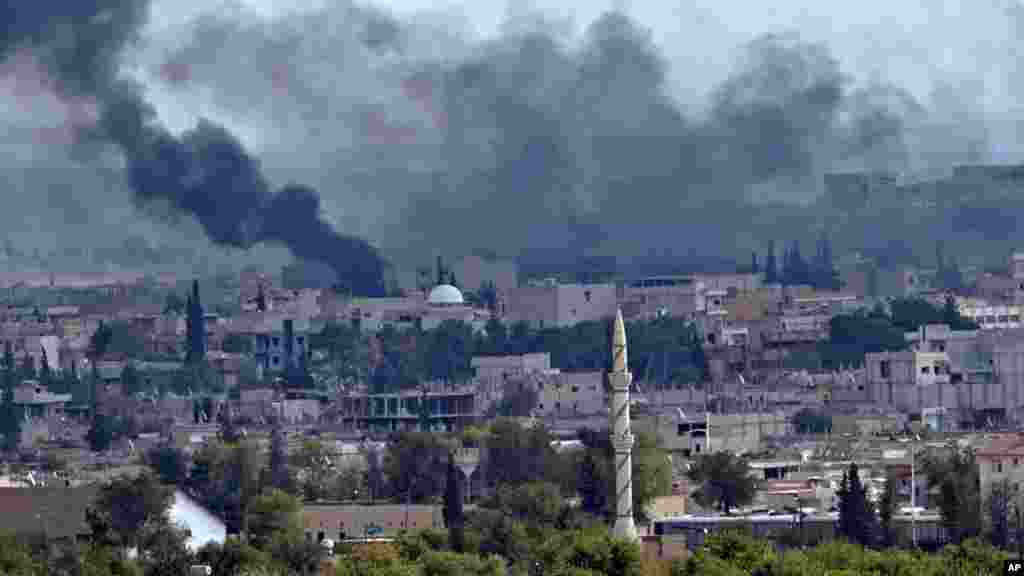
x: 537, y: 146
x: 532, y: 144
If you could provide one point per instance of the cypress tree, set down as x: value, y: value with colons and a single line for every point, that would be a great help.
x: 45, y: 376
x: 771, y: 272
x: 195, y: 327
x: 798, y: 266
x: 12, y: 421
x: 453, y: 505
x: 856, y: 513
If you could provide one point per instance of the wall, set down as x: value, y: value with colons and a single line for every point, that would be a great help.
x: 354, y: 520
x: 572, y: 394
x: 561, y: 305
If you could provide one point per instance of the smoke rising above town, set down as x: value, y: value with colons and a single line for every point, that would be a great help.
x: 530, y: 144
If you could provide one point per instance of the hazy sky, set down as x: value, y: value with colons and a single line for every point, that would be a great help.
x: 972, y: 47
x: 969, y: 44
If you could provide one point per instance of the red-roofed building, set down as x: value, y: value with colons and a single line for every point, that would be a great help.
x: 1001, y: 458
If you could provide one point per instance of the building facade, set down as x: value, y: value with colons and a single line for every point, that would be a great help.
x: 657, y: 296
x: 554, y: 305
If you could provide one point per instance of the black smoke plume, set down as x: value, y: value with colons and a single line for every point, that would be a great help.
x: 206, y: 172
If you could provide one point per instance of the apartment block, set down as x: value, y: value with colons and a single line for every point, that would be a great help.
x: 553, y: 305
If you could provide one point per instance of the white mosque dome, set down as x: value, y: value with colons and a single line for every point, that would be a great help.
x: 445, y: 295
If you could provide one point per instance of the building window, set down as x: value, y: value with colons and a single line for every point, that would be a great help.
x: 275, y: 360
x: 575, y: 389
x: 586, y: 295
x: 998, y: 466
x: 884, y: 369
x: 926, y: 370
x: 275, y: 341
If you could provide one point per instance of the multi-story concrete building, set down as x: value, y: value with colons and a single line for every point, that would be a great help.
x: 445, y: 302
x: 438, y: 407
x: 493, y: 373
x: 909, y: 380
x: 347, y: 521
x: 572, y: 394
x: 740, y: 283
x: 276, y: 340
x: 657, y: 296
x: 1001, y: 459
x: 1017, y: 271
x: 706, y: 432
x: 42, y: 412
x: 552, y: 305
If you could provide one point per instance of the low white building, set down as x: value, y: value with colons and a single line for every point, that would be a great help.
x: 990, y: 316
x: 445, y: 302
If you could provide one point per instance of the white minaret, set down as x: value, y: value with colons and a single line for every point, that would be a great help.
x: 622, y: 437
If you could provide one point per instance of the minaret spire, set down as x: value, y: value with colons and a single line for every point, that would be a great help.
x: 621, y: 435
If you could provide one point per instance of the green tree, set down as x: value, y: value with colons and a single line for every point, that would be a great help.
x: 592, y: 551
x: 809, y: 421
x: 280, y: 475
x: 724, y: 481
x: 166, y: 553
x: 729, y: 553
x: 237, y: 344
x: 488, y: 296
x: 243, y: 480
x: 414, y: 466
x: 45, y: 374
x: 517, y: 454
x: 232, y: 557
x: 130, y: 381
x: 346, y: 352
x: 886, y: 510
x: 771, y: 270
x: 852, y: 336
x: 195, y: 327
x: 297, y: 554
x: 16, y: 558
x: 169, y: 463
x: 315, y: 463
x: 271, y: 513
x: 134, y: 506
x: 174, y: 304
x: 454, y: 517
x: 445, y: 563
x: 450, y: 350
x: 101, y: 433
x: 999, y: 501
x: 856, y: 513
x: 955, y: 474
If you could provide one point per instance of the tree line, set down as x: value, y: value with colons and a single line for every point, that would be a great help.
x: 667, y: 350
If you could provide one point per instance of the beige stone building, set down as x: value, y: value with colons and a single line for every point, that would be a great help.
x: 656, y: 296
x: 342, y: 522
x: 1001, y: 458
x: 553, y: 305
